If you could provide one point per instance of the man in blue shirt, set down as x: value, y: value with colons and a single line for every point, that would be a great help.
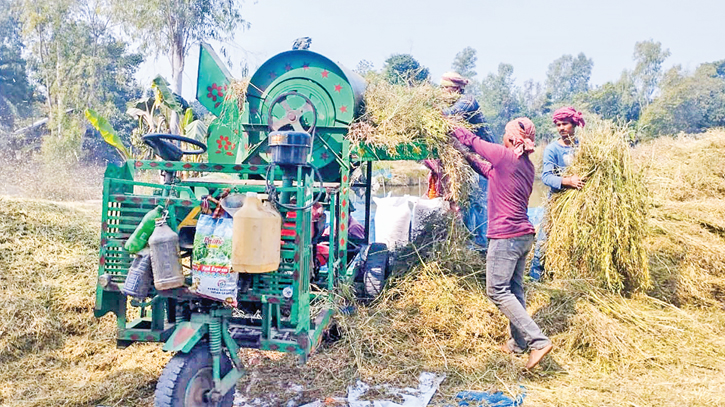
x: 557, y: 156
x: 475, y: 217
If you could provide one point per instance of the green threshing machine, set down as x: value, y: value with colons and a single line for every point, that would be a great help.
x: 294, y: 94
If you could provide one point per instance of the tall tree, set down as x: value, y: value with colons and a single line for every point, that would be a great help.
x: 78, y: 63
x: 465, y: 63
x: 16, y: 94
x: 649, y: 57
x: 404, y: 69
x: 499, y: 98
x: 170, y: 27
x: 687, y: 102
x: 364, y: 67
x: 568, y: 76
x: 535, y: 99
x: 616, y: 101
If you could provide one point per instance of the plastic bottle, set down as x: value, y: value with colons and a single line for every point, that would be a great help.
x: 140, y: 236
x: 165, y: 260
x: 140, y: 276
x: 256, y: 239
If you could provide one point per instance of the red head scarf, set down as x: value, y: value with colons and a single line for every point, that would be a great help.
x: 522, y: 132
x: 571, y: 114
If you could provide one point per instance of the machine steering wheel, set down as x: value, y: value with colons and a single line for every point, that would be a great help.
x: 164, y: 148
x: 292, y: 116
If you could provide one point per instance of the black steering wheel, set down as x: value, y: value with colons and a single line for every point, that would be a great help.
x: 164, y: 148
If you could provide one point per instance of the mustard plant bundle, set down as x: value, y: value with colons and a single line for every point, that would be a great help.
x: 598, y: 233
x: 395, y: 115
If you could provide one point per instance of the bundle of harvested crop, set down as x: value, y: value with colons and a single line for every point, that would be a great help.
x: 598, y: 233
x: 396, y: 115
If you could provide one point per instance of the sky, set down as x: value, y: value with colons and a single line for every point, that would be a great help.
x: 529, y: 34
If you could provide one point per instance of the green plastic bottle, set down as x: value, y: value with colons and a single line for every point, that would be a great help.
x: 143, y: 231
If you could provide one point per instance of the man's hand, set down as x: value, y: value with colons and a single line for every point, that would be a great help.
x: 573, y: 181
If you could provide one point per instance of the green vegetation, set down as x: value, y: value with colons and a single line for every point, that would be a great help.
x: 651, y: 102
x: 404, y: 69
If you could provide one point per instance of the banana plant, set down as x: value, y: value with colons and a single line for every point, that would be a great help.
x: 153, y: 115
x: 107, y: 132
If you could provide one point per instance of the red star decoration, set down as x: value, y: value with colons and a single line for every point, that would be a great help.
x: 288, y: 67
x: 306, y: 66
x: 272, y: 75
x: 324, y: 156
x: 343, y: 109
x: 338, y: 88
x: 325, y: 73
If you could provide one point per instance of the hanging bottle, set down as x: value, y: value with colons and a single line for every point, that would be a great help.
x: 140, y: 236
x: 140, y: 276
x: 165, y: 260
x: 256, y: 238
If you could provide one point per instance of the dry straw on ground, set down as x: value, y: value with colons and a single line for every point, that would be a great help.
x: 53, y: 352
x: 598, y: 232
x: 686, y: 177
x: 609, y: 350
x: 437, y: 318
x: 395, y: 115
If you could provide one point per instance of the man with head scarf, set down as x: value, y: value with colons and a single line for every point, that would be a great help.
x: 510, y: 233
x: 466, y: 107
x: 557, y: 156
x: 465, y: 104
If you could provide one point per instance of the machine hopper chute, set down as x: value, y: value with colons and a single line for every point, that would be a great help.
x: 297, y: 90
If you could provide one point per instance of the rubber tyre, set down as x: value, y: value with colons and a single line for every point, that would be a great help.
x: 185, y: 378
x: 375, y: 269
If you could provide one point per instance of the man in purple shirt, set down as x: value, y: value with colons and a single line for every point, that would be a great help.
x: 510, y: 234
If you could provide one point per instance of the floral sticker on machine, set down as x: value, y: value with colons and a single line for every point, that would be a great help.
x: 224, y: 146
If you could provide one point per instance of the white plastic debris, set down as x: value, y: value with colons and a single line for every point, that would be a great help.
x: 428, y: 384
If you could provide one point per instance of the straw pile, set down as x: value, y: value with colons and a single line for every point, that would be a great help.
x: 686, y: 177
x: 598, y: 233
x: 395, y: 115
x: 52, y: 350
x: 238, y: 93
x: 609, y: 350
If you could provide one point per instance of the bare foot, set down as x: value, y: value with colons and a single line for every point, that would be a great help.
x: 505, y: 349
x: 536, y: 355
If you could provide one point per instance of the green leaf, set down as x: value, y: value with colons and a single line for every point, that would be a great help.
x: 168, y: 98
x: 188, y: 118
x: 107, y: 131
x: 197, y: 130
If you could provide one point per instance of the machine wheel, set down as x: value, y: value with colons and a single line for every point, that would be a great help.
x: 375, y: 269
x: 188, y: 377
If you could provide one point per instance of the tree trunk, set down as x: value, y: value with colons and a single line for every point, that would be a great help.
x: 177, y: 72
x: 59, y: 95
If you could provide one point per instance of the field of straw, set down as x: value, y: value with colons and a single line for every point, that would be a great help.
x: 664, y: 346
x: 53, y: 351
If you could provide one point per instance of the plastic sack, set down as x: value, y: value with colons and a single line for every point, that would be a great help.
x: 425, y: 208
x: 392, y: 221
x: 211, y: 269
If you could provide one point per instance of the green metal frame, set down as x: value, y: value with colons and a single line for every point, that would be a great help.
x: 124, y: 208
x: 237, y: 142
